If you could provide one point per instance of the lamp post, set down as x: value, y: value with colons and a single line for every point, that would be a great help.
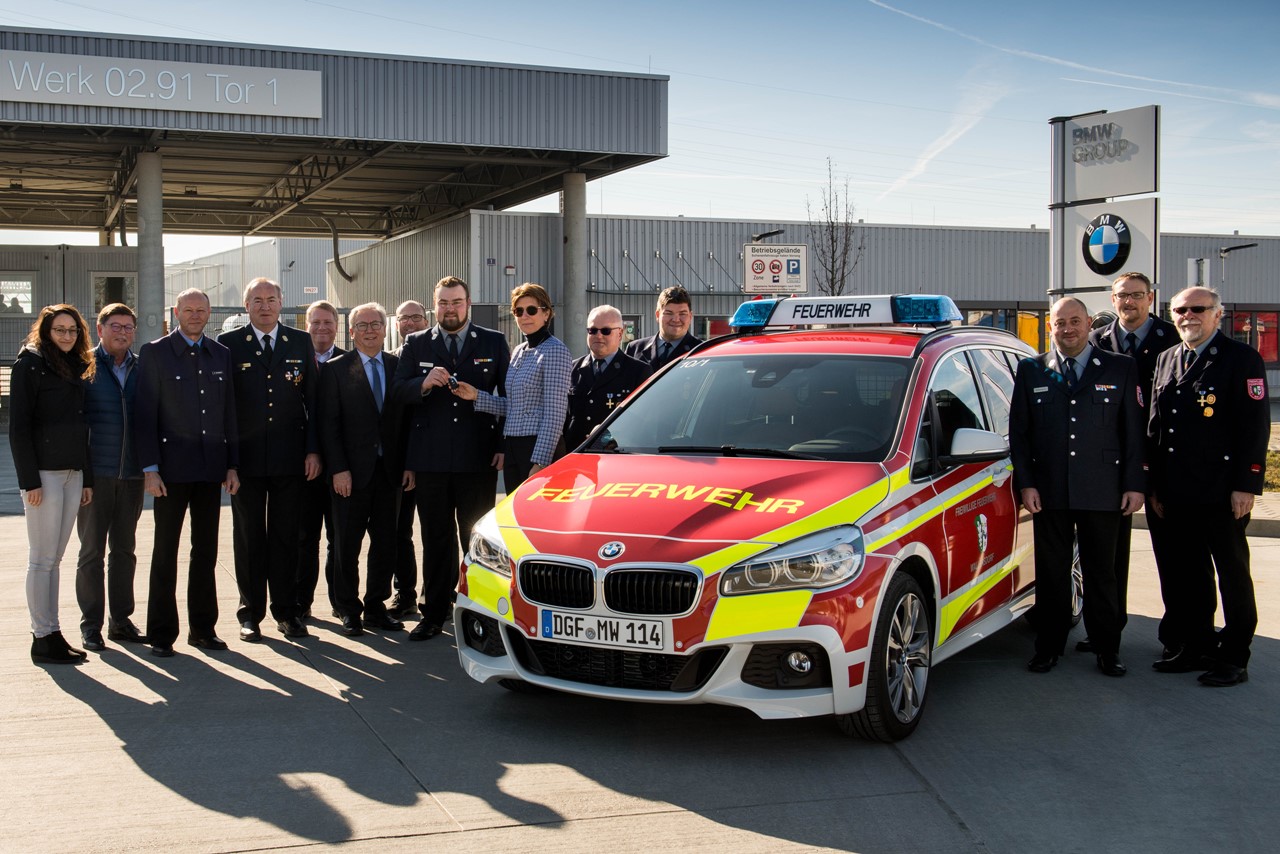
x: 1222, y: 255
x: 756, y: 238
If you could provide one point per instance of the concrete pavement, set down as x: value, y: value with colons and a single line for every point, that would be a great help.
x: 380, y: 744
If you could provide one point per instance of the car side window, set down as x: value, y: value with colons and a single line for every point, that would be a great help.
x: 997, y: 387
x: 953, y: 404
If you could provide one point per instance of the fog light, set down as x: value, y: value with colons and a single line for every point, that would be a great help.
x: 799, y: 662
x: 477, y: 628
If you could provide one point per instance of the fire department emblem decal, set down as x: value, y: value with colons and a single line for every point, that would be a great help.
x: 981, y: 525
x: 1257, y: 389
x: 611, y: 550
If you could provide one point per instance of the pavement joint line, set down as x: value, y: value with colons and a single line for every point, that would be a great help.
x: 978, y: 843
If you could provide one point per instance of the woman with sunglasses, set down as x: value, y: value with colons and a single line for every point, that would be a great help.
x: 537, y: 390
x: 50, y: 442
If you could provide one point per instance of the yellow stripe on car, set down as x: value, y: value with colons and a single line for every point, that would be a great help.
x: 761, y: 612
x: 485, y: 588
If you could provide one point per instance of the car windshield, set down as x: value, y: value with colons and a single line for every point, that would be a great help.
x: 805, y: 406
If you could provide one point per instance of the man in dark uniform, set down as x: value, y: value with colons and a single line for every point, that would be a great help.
x: 454, y: 451
x: 1210, y: 423
x: 274, y: 377
x: 675, y: 317
x: 1076, y: 439
x: 411, y: 317
x: 1137, y: 333
x: 317, y: 510
x: 359, y: 430
x: 186, y: 444
x: 601, y: 380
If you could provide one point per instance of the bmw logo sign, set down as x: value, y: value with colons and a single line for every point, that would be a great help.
x: 1106, y: 244
x: 611, y: 551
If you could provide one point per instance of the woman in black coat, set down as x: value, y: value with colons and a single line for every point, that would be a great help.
x: 50, y: 442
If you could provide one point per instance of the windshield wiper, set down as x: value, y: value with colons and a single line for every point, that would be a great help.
x: 735, y: 451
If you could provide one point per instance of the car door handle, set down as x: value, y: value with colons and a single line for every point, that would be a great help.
x: 1000, y: 473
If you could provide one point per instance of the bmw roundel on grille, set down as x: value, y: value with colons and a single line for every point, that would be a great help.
x: 611, y: 550
x: 1106, y: 244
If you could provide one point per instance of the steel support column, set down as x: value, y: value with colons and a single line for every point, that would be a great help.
x: 573, y: 212
x: 150, y: 247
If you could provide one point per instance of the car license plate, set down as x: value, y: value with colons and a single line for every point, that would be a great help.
x: 604, y: 631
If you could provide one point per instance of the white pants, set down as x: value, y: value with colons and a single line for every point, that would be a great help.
x: 49, y: 526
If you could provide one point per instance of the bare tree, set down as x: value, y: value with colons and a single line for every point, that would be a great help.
x: 836, y: 244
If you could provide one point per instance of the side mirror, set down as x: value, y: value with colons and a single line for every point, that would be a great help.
x: 975, y: 446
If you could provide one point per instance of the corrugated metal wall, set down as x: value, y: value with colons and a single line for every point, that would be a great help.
x: 633, y: 258
x: 389, y: 98
x: 405, y: 268
x: 296, y: 263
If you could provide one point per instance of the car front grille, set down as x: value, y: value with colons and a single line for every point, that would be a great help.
x: 650, y: 591
x: 616, y: 668
x: 557, y: 585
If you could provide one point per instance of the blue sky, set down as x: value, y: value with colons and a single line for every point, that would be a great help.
x: 936, y: 112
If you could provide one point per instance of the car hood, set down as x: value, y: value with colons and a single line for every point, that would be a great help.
x: 672, y: 508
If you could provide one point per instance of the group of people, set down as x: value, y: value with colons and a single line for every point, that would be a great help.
x: 1173, y: 415
x: 307, y: 439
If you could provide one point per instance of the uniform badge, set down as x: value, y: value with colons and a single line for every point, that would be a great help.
x: 1257, y: 389
x: 1138, y: 389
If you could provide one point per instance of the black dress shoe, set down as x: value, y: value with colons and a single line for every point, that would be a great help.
x: 403, y: 606
x: 1085, y: 645
x: 209, y: 642
x: 292, y: 628
x: 93, y: 641
x: 425, y: 631
x: 386, y: 622
x: 1109, y: 663
x: 124, y: 631
x: 162, y: 650
x: 1041, y: 663
x: 352, y: 627
x: 1185, y: 661
x: 250, y: 632
x: 1224, y: 676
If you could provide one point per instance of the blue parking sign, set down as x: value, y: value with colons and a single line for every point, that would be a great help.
x: 793, y: 266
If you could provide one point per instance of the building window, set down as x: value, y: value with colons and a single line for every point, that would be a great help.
x: 109, y: 288
x: 15, y: 292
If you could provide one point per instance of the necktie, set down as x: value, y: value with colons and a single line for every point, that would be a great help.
x: 599, y: 367
x: 666, y: 352
x: 1071, y: 373
x: 1188, y: 356
x: 1131, y: 343
x: 266, y: 346
x: 453, y: 347
x: 375, y: 381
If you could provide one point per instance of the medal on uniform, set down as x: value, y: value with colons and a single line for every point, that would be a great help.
x: 1208, y: 412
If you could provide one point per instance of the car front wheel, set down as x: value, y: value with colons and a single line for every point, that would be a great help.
x: 898, y: 673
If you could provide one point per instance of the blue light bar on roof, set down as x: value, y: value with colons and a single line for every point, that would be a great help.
x: 846, y: 311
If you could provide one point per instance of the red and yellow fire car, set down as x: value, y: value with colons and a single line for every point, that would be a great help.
x: 800, y: 519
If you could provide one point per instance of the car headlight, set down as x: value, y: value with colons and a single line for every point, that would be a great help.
x: 824, y: 559
x: 486, y: 548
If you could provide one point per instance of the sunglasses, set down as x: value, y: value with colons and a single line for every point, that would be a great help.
x: 603, y: 330
x: 1195, y: 309
x: 521, y: 311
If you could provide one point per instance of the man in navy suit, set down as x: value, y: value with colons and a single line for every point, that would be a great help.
x: 1077, y: 442
x: 1137, y: 333
x: 454, y: 451
x: 1210, y: 422
x: 186, y: 442
x: 601, y: 380
x: 274, y: 378
x: 359, y: 431
x: 675, y: 316
x: 317, y: 513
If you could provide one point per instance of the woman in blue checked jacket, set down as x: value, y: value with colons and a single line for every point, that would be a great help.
x: 537, y: 390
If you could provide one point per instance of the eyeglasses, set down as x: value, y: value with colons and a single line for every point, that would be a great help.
x: 450, y: 303
x: 416, y: 318
x: 603, y: 330
x: 1195, y: 309
x: 1133, y: 295
x: 521, y: 311
x: 366, y: 325
x: 121, y: 327
x: 64, y: 330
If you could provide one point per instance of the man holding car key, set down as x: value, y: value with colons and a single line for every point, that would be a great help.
x: 454, y: 451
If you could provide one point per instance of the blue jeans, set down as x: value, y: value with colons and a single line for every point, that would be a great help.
x: 48, y: 528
